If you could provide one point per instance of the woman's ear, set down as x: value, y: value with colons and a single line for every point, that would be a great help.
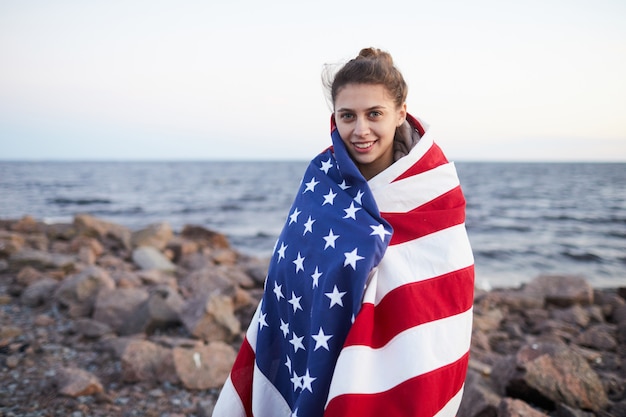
x: 402, y: 114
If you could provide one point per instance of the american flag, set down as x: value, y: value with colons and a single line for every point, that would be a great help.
x: 367, y: 309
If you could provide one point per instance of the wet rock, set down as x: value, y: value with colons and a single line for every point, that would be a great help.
x: 78, y: 292
x: 204, y: 367
x: 75, y: 382
x: 147, y: 257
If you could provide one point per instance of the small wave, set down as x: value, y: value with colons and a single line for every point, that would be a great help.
x: 582, y: 256
x: 62, y: 201
x: 130, y: 210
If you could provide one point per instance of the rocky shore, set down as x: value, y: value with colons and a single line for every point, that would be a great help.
x: 100, y: 320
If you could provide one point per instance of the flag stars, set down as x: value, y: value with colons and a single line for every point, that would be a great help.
x: 295, y: 302
x: 358, y: 196
x: 326, y: 165
x: 321, y: 340
x: 352, y: 258
x: 379, y: 231
x: 299, y: 262
x: 343, y: 185
x: 297, y: 342
x: 262, y: 321
x: 281, y: 251
x: 351, y: 211
x: 316, y: 276
x: 330, y: 239
x: 293, y: 218
x: 278, y: 290
x: 329, y: 198
x: 288, y: 363
x: 308, y: 226
x: 306, y: 380
x: 310, y: 186
x: 296, y: 381
x: 284, y: 327
x: 335, y: 297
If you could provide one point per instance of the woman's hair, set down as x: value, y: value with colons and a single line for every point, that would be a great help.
x: 371, y: 66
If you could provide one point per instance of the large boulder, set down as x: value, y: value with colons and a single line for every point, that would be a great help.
x: 560, y: 290
x: 75, y: 382
x: 148, y: 257
x: 156, y: 235
x: 116, y: 307
x: 160, y: 310
x: 143, y: 360
x: 204, y: 367
x: 211, y: 317
x: 112, y: 235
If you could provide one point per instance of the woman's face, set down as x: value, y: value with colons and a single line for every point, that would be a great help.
x: 367, y: 118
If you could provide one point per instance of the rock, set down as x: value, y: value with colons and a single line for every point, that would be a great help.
x: 155, y: 235
x: 560, y: 377
x: 599, y: 337
x: 563, y: 410
x: 10, y: 243
x: 204, y: 367
x: 28, y: 224
x: 112, y: 235
x: 479, y: 398
x: 160, y: 310
x: 116, y: 307
x: 41, y: 260
x: 78, y: 292
x: 573, y: 315
x: 27, y: 276
x: 92, y: 329
x: 205, y: 237
x: 39, y: 292
x: 210, y: 317
x: 75, y: 382
x: 510, y: 407
x: 143, y: 360
x: 560, y: 290
x: 147, y: 257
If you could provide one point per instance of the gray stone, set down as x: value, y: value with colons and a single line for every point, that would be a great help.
x: 147, y: 257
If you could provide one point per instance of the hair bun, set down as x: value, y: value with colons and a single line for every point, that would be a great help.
x: 375, y: 53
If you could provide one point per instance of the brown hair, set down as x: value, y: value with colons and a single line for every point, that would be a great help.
x: 371, y: 66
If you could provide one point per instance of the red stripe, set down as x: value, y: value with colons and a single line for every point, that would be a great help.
x: 433, y: 158
x: 440, y: 213
x: 411, y: 305
x: 242, y: 373
x: 422, y: 396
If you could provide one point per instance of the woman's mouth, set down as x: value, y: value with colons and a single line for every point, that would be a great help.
x: 363, y: 146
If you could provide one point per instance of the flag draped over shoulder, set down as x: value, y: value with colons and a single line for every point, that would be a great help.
x: 367, y: 308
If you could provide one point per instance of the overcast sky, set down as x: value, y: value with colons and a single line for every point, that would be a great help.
x: 240, y: 79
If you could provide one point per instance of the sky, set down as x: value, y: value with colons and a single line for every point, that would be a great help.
x: 538, y: 80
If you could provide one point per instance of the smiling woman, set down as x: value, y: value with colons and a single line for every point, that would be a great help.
x: 368, y: 302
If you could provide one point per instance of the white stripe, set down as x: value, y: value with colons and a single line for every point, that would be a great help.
x: 451, y: 408
x: 229, y: 404
x: 416, y: 351
x: 427, y: 257
x: 409, y: 193
x: 401, y: 165
x: 253, y: 328
x: 266, y: 399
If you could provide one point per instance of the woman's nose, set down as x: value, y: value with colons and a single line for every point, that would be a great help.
x: 361, y: 127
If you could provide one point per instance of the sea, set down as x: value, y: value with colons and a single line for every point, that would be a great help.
x: 523, y: 219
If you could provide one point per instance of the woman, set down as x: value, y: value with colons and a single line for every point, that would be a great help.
x: 367, y: 309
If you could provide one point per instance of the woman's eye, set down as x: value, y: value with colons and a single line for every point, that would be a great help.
x: 346, y: 116
x: 375, y: 114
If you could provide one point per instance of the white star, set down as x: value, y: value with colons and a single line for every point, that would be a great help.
x: 262, y: 321
x: 358, y: 196
x: 330, y: 197
x: 297, y: 342
x: 330, y: 239
x: 284, y: 327
x: 310, y: 186
x: 335, y: 297
x: 299, y: 261
x: 343, y: 185
x: 316, y: 276
x: 294, y: 413
x: 308, y: 226
x: 351, y: 211
x: 295, y: 302
x: 380, y: 231
x: 278, y: 290
x: 288, y: 363
x: 326, y: 165
x: 281, y: 251
x: 296, y: 381
x: 321, y: 340
x: 306, y: 381
x: 294, y: 216
x: 351, y: 258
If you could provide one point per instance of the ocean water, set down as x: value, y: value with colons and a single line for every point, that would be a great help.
x: 523, y: 219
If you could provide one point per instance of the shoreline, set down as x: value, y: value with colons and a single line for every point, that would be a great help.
x: 100, y: 320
